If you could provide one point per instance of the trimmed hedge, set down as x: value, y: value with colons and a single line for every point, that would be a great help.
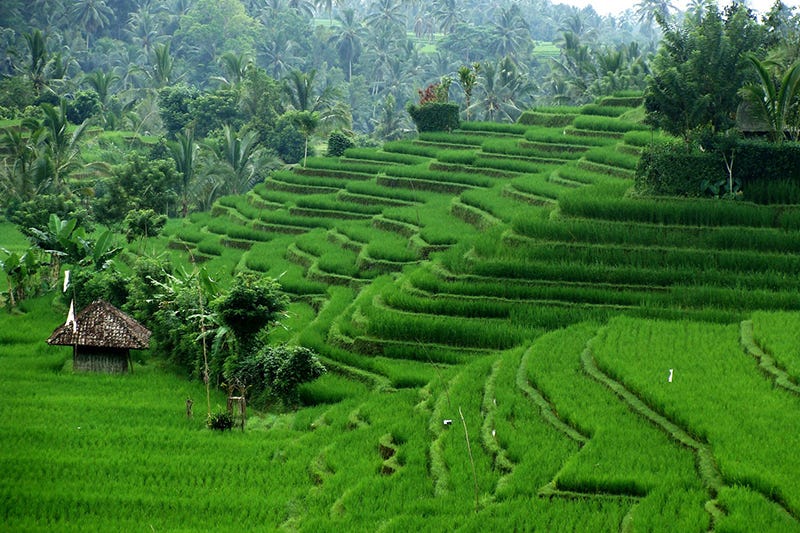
x: 435, y: 116
x: 766, y: 172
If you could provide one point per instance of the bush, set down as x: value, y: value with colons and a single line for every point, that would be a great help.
x: 751, y: 158
x: 672, y: 169
x: 767, y: 172
x: 220, y: 421
x: 338, y: 142
x: 435, y: 116
x: 287, y: 141
x: 83, y: 106
x: 279, y: 370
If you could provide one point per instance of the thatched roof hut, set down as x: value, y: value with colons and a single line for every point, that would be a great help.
x: 101, y: 338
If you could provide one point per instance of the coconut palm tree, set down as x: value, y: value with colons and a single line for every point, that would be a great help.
x: 184, y: 152
x: 62, y: 146
x: 91, y: 15
x: 306, y: 122
x: 236, y: 160
x: 385, y: 14
x: 347, y: 40
x: 447, y: 13
x: 510, y: 33
x: 776, y: 101
x: 278, y: 53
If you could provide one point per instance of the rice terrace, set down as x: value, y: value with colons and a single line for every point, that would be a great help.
x: 606, y: 361
x: 574, y: 318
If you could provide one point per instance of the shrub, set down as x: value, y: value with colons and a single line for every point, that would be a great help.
x: 279, y: 370
x: 435, y: 116
x: 338, y: 142
x: 220, y: 421
x: 751, y: 157
x: 671, y: 169
x: 675, y: 169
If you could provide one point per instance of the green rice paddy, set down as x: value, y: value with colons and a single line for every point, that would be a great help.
x: 514, y: 342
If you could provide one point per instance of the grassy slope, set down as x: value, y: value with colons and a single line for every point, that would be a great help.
x: 562, y: 438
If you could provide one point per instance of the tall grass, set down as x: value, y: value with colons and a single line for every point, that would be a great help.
x: 639, y: 458
x: 642, y: 234
x: 372, y: 154
x: 716, y: 393
x: 606, y: 124
x: 606, y: 202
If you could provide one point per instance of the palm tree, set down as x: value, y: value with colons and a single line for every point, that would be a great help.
x: 91, y: 15
x: 385, y: 14
x: 163, y: 68
x: 328, y: 6
x: 144, y: 28
x: 19, y: 149
x: 307, y: 123
x: 578, y: 24
x: 101, y: 82
x: 303, y: 95
x: 392, y: 121
x: 235, y: 68
x: 305, y: 7
x: 184, y: 152
x: 278, y: 54
x: 696, y: 9
x: 447, y: 13
x: 510, y: 32
x: 501, y: 95
x: 777, y: 102
x: 347, y: 40
x: 37, y: 47
x: 467, y: 78
x: 61, y: 146
x: 649, y: 11
x: 237, y: 160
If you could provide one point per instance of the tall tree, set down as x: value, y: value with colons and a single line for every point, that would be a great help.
x: 306, y: 122
x: 184, y: 152
x: 62, y: 144
x: 467, y: 78
x: 698, y: 71
x: 347, y: 40
x: 91, y: 15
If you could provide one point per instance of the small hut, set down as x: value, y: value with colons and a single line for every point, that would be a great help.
x: 101, y: 338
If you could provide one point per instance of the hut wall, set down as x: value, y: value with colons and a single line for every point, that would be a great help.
x: 93, y: 359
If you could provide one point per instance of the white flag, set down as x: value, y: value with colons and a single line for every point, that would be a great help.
x: 71, y: 317
x: 66, y: 280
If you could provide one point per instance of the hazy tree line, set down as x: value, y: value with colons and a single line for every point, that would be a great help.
x: 234, y: 88
x: 369, y: 55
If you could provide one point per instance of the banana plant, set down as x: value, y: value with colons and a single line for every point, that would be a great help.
x: 19, y: 270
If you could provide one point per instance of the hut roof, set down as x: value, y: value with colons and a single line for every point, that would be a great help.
x: 102, y: 324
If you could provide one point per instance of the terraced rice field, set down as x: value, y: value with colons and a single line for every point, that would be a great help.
x: 605, y: 362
